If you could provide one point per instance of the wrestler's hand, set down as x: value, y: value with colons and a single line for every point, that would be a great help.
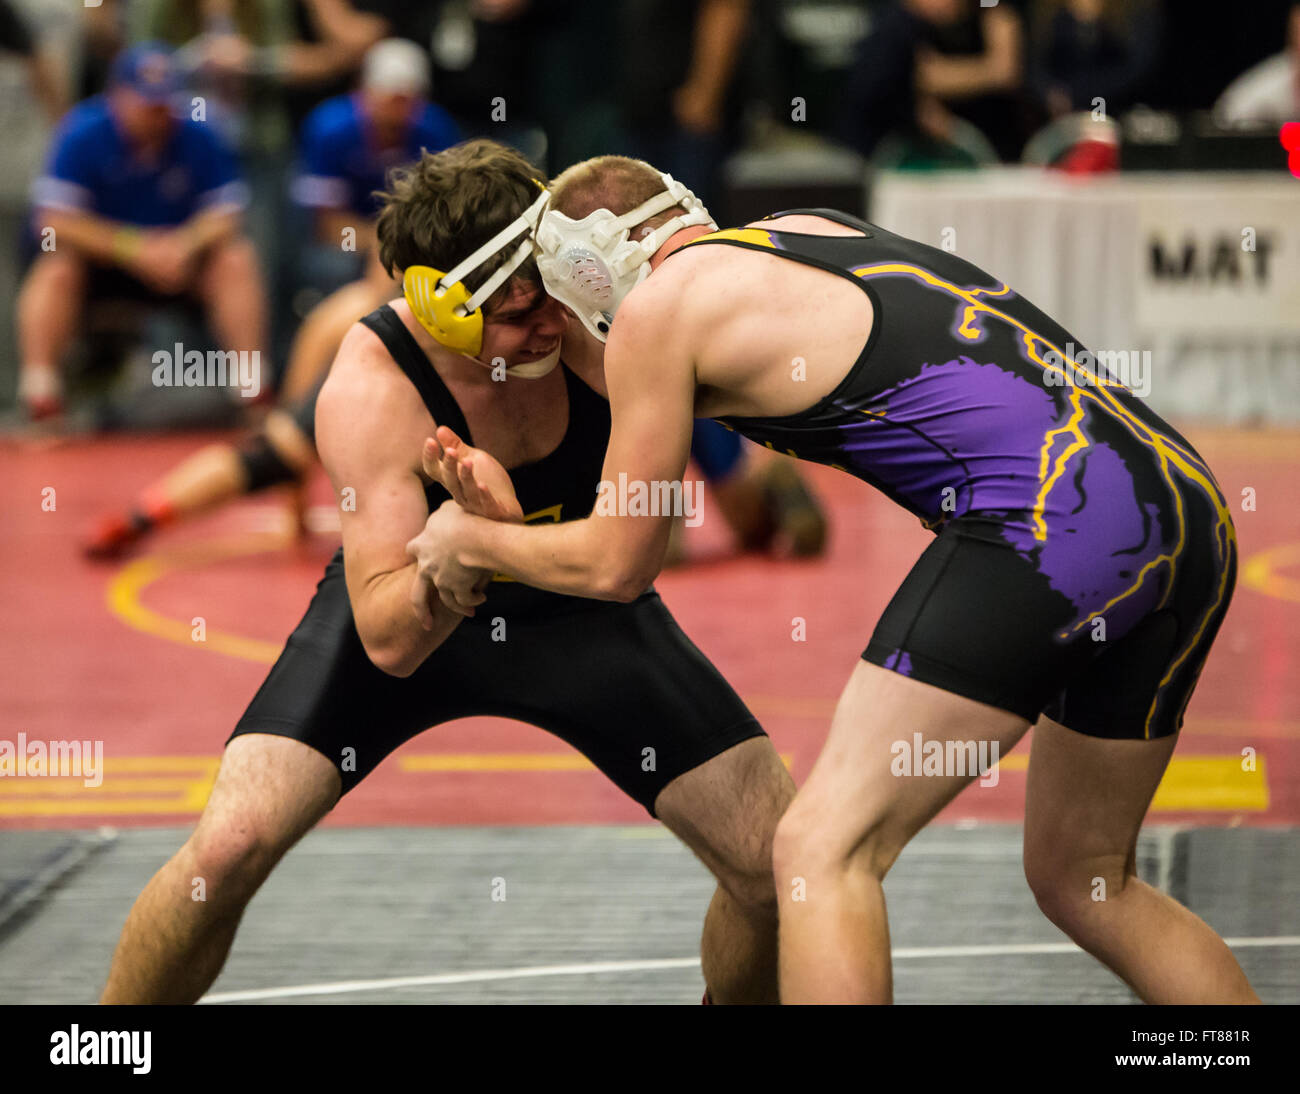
x: 438, y: 573
x: 476, y: 481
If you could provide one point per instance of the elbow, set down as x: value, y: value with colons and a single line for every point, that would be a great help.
x: 624, y: 584
x: 390, y: 658
x: 399, y: 667
x: 391, y: 662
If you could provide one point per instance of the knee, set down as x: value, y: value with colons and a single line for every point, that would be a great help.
x: 232, y: 257
x: 1071, y: 892
x: 231, y: 262
x: 233, y: 856
x: 810, y: 842
x: 58, y: 272
x: 752, y: 888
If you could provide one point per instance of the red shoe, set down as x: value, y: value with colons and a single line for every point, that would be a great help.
x: 113, y: 534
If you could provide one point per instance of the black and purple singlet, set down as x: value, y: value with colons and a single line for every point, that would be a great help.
x: 1085, y: 555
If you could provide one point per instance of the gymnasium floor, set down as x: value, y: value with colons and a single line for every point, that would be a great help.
x: 390, y: 900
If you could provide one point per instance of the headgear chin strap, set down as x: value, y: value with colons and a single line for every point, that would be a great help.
x: 590, y: 265
x: 535, y: 370
x: 443, y: 304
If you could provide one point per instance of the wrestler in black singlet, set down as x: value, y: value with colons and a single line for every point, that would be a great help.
x: 1085, y: 555
x: 613, y: 680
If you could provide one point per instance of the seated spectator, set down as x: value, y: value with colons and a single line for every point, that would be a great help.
x: 349, y: 143
x: 972, y: 66
x: 1084, y: 50
x: 925, y: 62
x: 136, y: 202
x: 1269, y: 93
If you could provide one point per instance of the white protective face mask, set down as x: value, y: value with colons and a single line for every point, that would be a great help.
x: 590, y: 265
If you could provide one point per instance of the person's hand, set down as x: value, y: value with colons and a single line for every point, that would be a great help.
x: 697, y: 109
x: 438, y: 573
x: 164, y: 260
x: 934, y: 119
x: 475, y: 480
x: 497, y: 11
x: 1058, y: 102
x: 227, y: 55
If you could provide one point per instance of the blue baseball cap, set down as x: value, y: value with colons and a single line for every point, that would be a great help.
x: 148, y: 70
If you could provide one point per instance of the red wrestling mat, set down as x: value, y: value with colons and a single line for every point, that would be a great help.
x: 107, y: 653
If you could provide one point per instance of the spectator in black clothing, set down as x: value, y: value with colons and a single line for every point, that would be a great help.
x: 974, y: 69
x: 1083, y: 50
x: 925, y: 62
x: 880, y: 93
x: 677, y: 82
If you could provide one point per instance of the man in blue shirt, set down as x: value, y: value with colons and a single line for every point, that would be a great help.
x: 349, y: 143
x: 139, y: 202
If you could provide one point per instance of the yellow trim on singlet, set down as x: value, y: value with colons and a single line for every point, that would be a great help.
x: 759, y: 237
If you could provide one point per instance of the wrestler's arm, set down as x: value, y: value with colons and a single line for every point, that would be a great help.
x: 651, y: 379
x: 365, y: 417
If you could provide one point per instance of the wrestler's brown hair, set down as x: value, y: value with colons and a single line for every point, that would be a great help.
x: 443, y: 207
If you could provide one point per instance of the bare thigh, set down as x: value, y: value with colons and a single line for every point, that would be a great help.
x: 853, y: 802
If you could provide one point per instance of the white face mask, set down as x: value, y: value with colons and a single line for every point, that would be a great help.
x: 590, y: 265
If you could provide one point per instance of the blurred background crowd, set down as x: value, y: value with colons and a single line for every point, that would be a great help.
x: 219, y: 155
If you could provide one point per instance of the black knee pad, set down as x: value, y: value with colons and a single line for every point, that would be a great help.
x: 264, y: 467
x: 303, y: 412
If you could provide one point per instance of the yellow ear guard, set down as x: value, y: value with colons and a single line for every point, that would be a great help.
x: 443, y: 312
x: 442, y: 303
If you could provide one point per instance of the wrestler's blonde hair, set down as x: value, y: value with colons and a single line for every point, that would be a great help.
x: 616, y: 183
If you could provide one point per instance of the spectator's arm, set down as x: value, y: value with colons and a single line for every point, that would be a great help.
x: 47, y: 84
x: 339, y: 22
x: 113, y: 242
x: 210, y: 226
x: 308, y: 63
x: 719, y: 33
x: 222, y: 195
x: 998, y: 68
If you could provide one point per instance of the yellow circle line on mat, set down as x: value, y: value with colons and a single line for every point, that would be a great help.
x: 1260, y: 572
x: 124, y: 590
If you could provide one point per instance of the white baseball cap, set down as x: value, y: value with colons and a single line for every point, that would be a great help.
x: 396, y: 65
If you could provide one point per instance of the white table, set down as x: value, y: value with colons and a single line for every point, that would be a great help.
x: 1223, y: 329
